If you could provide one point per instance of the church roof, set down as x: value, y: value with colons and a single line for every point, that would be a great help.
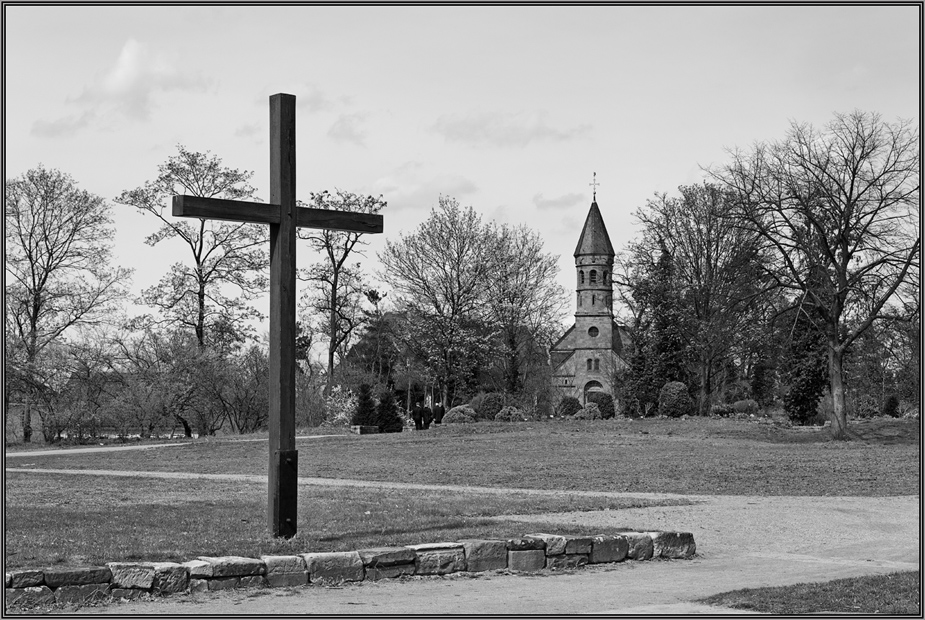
x: 594, y: 238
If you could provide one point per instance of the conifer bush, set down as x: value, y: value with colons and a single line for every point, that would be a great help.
x: 674, y: 400
x: 589, y: 412
x: 568, y: 406
x: 510, y: 414
x: 489, y: 406
x: 387, y: 417
x: 461, y: 414
x: 604, y: 401
x: 364, y: 412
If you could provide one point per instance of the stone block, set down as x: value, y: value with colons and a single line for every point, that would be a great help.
x: 555, y: 545
x: 198, y: 585
x: 128, y: 594
x: 608, y: 549
x: 222, y: 583
x: 198, y: 569
x: 364, y: 430
x: 252, y: 581
x: 26, y: 578
x: 83, y: 593
x: 283, y: 580
x: 170, y: 577
x: 131, y: 575
x: 29, y: 596
x: 526, y: 544
x: 375, y: 573
x: 566, y: 560
x: 440, y: 561
x: 283, y: 563
x: 234, y: 566
x: 334, y: 567
x: 386, y: 556
x: 529, y: 560
x: 673, y: 544
x: 482, y: 555
x: 640, y: 545
x: 578, y: 544
x: 57, y: 577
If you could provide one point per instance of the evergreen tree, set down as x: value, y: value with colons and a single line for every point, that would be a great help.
x: 365, y: 412
x: 387, y: 417
x: 807, y: 369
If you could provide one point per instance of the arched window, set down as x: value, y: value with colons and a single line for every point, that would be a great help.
x: 593, y: 298
x: 581, y: 277
x: 590, y: 364
x: 606, y: 275
x: 593, y: 277
x: 579, y: 299
x: 597, y: 364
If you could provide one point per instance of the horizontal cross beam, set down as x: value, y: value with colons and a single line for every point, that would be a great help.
x: 263, y: 213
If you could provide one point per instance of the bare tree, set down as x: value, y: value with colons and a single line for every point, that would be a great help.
x: 222, y: 253
x: 58, y: 248
x: 439, y: 274
x: 718, y: 267
x: 838, y: 207
x: 525, y: 301
x: 337, y: 285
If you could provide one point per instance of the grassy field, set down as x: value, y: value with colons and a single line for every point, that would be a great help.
x: 699, y: 456
x: 78, y: 520
x: 895, y: 594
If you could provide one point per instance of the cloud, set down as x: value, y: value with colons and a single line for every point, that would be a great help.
x: 252, y: 130
x: 409, y: 187
x: 348, y: 128
x: 562, y: 202
x: 504, y: 129
x: 139, y: 73
x: 62, y: 127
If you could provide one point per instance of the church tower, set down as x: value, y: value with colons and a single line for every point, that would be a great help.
x: 587, y: 356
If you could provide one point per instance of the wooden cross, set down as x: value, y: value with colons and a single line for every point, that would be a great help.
x: 284, y: 217
x: 594, y: 185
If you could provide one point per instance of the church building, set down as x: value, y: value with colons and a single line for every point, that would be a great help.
x: 588, y: 356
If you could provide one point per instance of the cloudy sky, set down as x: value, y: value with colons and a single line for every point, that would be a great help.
x: 507, y: 109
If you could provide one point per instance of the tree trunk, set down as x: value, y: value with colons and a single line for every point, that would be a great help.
x: 706, y: 388
x: 27, y: 417
x: 187, y: 431
x: 201, y: 317
x: 837, y: 385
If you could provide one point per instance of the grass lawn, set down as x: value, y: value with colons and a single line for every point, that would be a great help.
x: 698, y: 455
x: 89, y: 520
x: 895, y: 594
x: 79, y: 520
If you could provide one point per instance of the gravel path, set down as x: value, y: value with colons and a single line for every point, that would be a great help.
x: 742, y: 541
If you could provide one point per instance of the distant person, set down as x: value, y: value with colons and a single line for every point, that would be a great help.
x: 439, y: 412
x: 417, y: 414
x: 428, y: 417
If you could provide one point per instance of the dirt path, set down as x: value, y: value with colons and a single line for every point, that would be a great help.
x: 742, y: 541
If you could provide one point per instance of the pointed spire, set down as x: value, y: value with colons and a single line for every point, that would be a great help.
x: 594, y: 238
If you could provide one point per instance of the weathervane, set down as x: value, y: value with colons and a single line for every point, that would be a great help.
x: 594, y: 185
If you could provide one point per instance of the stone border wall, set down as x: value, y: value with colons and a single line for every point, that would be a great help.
x: 533, y: 552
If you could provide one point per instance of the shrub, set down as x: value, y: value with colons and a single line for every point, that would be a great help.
x: 590, y: 412
x: 510, y: 414
x: 605, y: 402
x: 387, y: 417
x: 489, y: 406
x: 568, y: 406
x: 462, y: 414
x: 674, y: 400
x: 364, y: 412
x: 746, y: 406
x: 890, y: 406
x: 722, y: 410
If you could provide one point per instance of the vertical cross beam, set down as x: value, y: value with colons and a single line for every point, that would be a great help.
x: 283, y: 472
